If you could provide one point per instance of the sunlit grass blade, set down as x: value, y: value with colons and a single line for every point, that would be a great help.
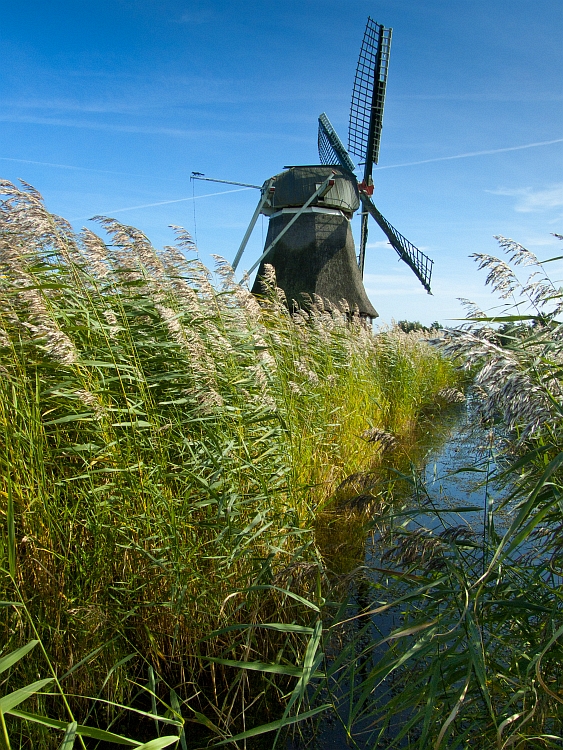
x: 69, y: 737
x: 10, y: 701
x: 274, y: 725
x: 12, y: 658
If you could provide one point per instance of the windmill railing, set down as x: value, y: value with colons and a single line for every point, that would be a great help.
x: 420, y: 263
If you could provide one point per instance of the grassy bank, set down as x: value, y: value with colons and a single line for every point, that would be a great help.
x: 166, y: 445
x: 455, y: 636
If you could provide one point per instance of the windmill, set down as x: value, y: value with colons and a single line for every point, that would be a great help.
x: 309, y: 241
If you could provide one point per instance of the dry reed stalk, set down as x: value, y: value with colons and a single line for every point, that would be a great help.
x: 520, y: 382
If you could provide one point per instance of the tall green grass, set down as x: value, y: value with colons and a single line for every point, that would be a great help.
x: 167, y: 443
x: 457, y: 637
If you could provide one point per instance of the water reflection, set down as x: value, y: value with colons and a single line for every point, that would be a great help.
x: 444, y: 480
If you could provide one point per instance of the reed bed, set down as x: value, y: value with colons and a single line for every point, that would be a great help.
x: 167, y: 442
x: 455, y: 636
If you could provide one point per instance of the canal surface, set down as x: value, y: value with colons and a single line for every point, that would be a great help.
x: 446, y: 481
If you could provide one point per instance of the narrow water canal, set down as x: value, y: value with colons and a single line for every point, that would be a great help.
x: 448, y: 483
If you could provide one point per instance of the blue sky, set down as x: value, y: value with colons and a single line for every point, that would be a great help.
x: 107, y: 107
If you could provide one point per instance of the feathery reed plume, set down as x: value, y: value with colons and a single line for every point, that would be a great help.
x: 304, y: 369
x: 420, y: 549
x: 91, y: 400
x: 383, y: 438
x: 501, y: 277
x: 224, y: 270
x: 451, y: 396
x: 132, y: 253
x: 274, y: 297
x: 506, y: 379
x: 95, y: 254
x: 517, y: 253
x: 472, y: 311
x: 183, y: 238
x: 171, y: 321
x: 112, y: 322
x: 54, y: 342
x: 248, y: 302
x: 526, y: 395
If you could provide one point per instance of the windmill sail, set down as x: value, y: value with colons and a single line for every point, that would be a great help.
x: 420, y: 263
x: 364, y: 135
x: 366, y: 110
x: 368, y: 94
x: 331, y: 149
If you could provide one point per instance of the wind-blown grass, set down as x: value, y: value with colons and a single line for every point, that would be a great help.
x: 167, y: 442
x: 476, y: 658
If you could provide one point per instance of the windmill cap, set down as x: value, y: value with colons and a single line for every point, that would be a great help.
x: 296, y: 185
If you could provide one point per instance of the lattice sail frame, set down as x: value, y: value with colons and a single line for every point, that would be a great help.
x: 418, y: 261
x: 366, y: 121
x: 331, y: 148
x: 368, y: 93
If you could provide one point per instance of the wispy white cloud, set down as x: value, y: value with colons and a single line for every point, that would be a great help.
x: 530, y: 200
x: 197, y: 15
x: 112, y: 211
x: 131, y: 91
x: 378, y: 244
x: 86, y: 169
x: 148, y: 129
x: 67, y: 123
x: 116, y: 106
x: 473, y: 153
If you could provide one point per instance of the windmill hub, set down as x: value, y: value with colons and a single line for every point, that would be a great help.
x: 316, y: 254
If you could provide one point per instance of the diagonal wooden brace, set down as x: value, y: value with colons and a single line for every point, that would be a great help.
x: 323, y: 188
x: 261, y: 203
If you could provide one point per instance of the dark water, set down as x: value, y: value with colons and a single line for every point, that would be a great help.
x: 457, y: 474
x: 448, y: 482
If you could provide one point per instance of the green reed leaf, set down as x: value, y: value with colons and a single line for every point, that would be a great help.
x: 83, y: 731
x: 158, y: 743
x: 69, y: 737
x: 274, y: 725
x: 262, y: 666
x: 11, y: 521
x: 10, y: 659
x: 10, y: 701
